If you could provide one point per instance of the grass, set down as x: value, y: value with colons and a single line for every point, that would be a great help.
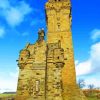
x: 6, y: 95
x: 92, y: 98
x: 12, y: 95
x: 93, y: 94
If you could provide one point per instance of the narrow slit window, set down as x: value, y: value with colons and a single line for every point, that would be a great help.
x: 58, y: 26
x: 37, y: 85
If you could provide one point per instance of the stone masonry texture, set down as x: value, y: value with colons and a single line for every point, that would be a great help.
x: 46, y: 68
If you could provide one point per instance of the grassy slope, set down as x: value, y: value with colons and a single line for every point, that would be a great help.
x: 12, y: 95
x: 92, y: 98
x: 6, y: 95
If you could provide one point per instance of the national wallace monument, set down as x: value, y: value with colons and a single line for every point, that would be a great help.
x: 46, y: 68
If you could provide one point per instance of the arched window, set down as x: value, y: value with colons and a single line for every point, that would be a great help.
x: 37, y: 85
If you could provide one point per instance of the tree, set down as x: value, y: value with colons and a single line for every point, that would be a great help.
x: 81, y: 83
x: 91, y: 88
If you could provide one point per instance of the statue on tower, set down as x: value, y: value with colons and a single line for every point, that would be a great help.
x: 41, y: 35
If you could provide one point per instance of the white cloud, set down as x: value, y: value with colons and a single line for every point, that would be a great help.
x: 94, y: 81
x: 14, y: 74
x: 95, y: 55
x: 14, y: 15
x: 89, y: 70
x: 76, y: 62
x: 95, y: 34
x: 83, y: 68
x: 92, y: 64
x: 2, y: 32
x: 8, y: 83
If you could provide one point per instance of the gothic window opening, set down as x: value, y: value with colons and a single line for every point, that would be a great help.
x: 37, y: 85
x: 58, y: 26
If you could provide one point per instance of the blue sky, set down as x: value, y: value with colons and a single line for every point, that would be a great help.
x: 19, y: 24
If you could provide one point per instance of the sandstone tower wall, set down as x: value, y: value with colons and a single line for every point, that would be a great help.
x: 59, y: 28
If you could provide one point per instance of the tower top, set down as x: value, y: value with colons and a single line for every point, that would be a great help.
x: 58, y: 4
x: 59, y: 0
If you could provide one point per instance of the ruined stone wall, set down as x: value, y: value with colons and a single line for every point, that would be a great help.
x: 55, y: 62
x: 32, y: 65
x: 46, y: 69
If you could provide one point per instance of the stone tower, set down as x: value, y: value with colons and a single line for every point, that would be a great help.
x: 46, y: 68
x: 59, y: 17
